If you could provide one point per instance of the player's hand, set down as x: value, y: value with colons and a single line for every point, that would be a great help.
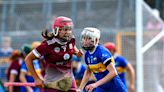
x: 90, y: 87
x: 80, y: 53
x: 39, y: 83
x: 131, y: 88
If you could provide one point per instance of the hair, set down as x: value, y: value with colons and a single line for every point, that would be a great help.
x: 15, y: 55
x: 35, y: 44
x: 47, y: 35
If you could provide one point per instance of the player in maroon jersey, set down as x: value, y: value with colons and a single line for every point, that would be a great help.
x: 57, y: 50
x: 14, y: 70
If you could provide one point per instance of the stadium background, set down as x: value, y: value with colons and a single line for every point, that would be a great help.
x: 23, y: 21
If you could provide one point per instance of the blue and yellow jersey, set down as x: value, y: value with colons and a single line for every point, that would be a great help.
x: 97, y: 62
x: 121, y: 64
x: 37, y: 67
x: 78, y: 73
x: 97, y: 59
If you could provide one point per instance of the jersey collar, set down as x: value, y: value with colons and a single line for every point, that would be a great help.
x: 94, y: 49
x: 58, y: 41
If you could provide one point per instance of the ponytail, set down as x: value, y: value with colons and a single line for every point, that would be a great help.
x: 47, y: 35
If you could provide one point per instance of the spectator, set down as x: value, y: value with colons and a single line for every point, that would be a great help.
x: 6, y: 49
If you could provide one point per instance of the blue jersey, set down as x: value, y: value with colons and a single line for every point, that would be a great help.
x: 37, y: 67
x: 6, y: 53
x: 78, y: 73
x: 121, y: 64
x: 96, y: 61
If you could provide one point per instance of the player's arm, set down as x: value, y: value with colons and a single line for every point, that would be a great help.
x: 78, y: 52
x: 85, y: 79
x: 92, y: 77
x: 12, y: 78
x: 29, y: 63
x: 131, y: 73
x: 110, y: 67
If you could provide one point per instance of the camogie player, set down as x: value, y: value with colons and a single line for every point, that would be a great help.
x: 79, y: 69
x: 25, y: 75
x: 57, y: 50
x: 13, y: 71
x: 101, y: 63
x: 122, y: 65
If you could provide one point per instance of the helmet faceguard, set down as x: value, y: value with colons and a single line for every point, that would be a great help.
x: 90, y: 38
x: 62, y: 24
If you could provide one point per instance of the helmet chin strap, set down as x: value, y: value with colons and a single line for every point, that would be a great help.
x: 91, y: 46
x: 66, y: 39
x: 88, y: 48
x: 63, y: 40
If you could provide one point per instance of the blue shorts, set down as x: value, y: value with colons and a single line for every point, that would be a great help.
x: 114, y: 85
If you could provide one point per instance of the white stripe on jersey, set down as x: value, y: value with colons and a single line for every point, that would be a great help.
x: 36, y: 53
x: 13, y: 71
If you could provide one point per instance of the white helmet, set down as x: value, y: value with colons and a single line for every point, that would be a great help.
x: 90, y: 33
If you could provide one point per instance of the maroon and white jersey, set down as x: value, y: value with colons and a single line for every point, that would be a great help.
x: 14, y: 69
x: 56, y: 53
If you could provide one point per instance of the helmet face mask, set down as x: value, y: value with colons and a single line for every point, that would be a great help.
x: 65, y: 28
x: 65, y: 34
x: 90, y: 38
x: 87, y: 44
x: 62, y: 27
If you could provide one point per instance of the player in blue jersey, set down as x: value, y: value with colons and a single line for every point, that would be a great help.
x: 122, y: 65
x: 79, y: 69
x: 99, y: 62
x: 25, y: 75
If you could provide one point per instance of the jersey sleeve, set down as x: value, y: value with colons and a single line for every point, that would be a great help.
x: 124, y: 62
x: 14, y: 67
x: 41, y: 50
x: 105, y: 56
